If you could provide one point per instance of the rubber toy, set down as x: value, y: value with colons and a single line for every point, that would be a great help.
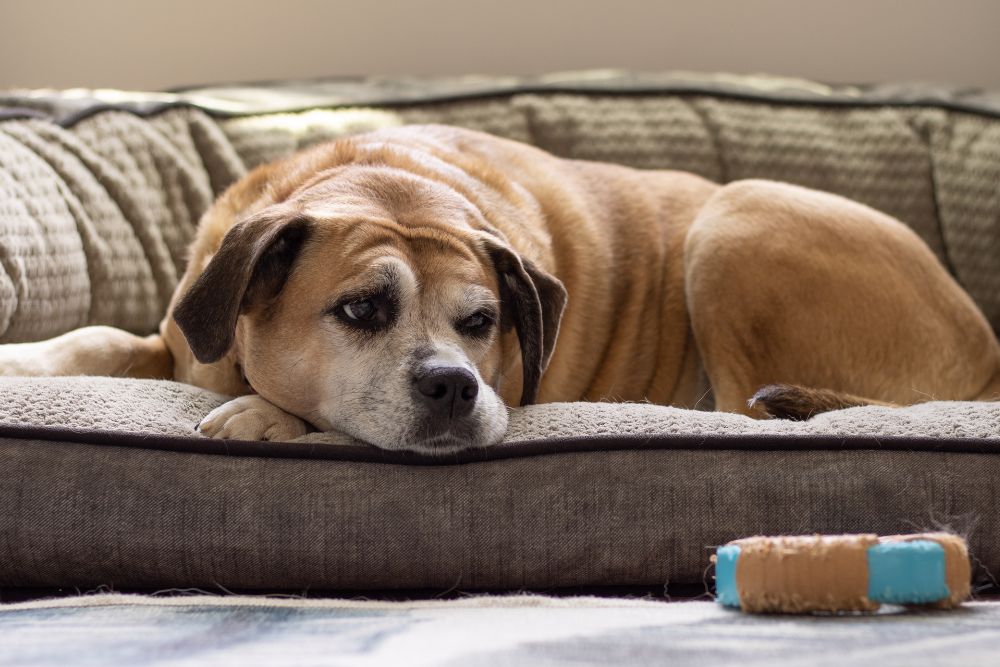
x: 842, y: 573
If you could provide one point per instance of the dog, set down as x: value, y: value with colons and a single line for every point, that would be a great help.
x: 406, y: 286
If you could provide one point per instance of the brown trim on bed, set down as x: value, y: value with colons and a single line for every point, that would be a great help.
x: 510, y: 450
x: 146, y: 109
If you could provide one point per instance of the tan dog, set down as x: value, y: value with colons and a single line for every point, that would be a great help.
x: 405, y: 286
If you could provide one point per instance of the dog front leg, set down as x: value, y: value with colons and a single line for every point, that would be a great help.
x: 96, y: 350
x: 252, y: 418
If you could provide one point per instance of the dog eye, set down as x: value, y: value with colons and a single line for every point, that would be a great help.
x: 369, y: 313
x: 476, y: 324
x: 363, y: 310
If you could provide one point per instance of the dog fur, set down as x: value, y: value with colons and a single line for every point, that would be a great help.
x: 599, y: 282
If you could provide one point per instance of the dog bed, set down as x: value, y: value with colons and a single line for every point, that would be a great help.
x: 104, y: 481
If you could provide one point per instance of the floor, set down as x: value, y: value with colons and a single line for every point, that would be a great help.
x: 482, y: 630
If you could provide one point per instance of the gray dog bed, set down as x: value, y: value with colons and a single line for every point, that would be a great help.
x: 104, y: 481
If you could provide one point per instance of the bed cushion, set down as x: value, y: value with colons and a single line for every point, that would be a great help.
x: 104, y: 483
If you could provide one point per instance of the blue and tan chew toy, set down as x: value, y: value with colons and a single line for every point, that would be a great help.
x: 830, y: 573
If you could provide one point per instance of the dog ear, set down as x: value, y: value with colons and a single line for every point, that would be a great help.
x: 251, y: 266
x: 533, y: 301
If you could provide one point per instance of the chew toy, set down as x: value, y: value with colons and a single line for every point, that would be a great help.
x: 831, y: 573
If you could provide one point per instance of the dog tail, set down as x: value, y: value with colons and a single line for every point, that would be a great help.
x: 795, y: 402
x: 790, y: 401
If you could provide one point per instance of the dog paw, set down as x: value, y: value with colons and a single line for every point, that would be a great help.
x: 251, y: 418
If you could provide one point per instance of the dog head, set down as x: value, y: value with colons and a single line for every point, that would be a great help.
x: 378, y: 307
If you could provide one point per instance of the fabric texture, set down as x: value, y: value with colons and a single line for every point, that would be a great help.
x: 156, y: 407
x: 95, y: 221
x: 488, y: 631
x: 85, y: 510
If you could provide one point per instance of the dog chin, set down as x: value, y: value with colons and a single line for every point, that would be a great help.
x: 451, y: 442
x: 487, y: 432
x: 441, y: 445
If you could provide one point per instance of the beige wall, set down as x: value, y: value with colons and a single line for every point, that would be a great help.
x: 153, y: 45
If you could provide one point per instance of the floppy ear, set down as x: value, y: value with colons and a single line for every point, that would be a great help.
x: 532, y: 301
x: 252, y: 264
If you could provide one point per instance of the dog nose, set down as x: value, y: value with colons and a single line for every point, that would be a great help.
x: 449, y: 392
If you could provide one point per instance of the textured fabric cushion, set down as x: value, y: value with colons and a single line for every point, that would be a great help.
x: 95, y: 220
x: 172, y: 409
x: 114, y: 489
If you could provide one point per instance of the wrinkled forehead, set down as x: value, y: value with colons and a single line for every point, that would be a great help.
x: 395, y: 229
x: 388, y: 193
x: 382, y: 255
